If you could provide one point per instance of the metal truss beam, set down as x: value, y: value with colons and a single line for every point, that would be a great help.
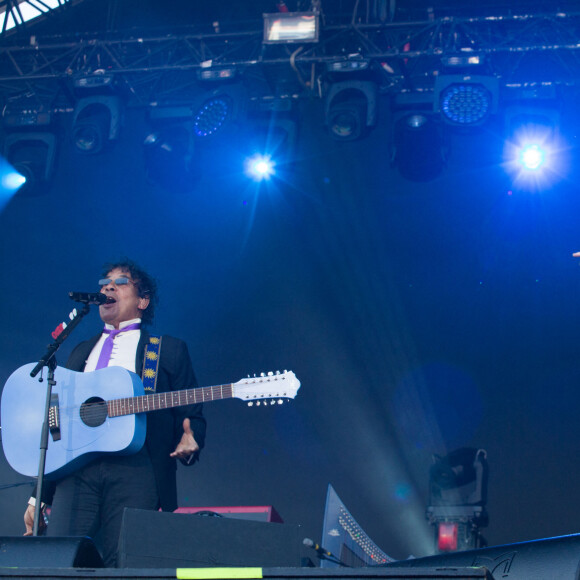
x: 404, y: 57
x: 16, y: 13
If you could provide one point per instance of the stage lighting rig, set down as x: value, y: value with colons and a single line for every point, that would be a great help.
x: 169, y: 157
x: 218, y: 109
x: 212, y: 72
x: 99, y: 82
x: 32, y: 155
x: 269, y: 143
x: 419, y: 147
x: 532, y: 157
x: 210, y: 113
x: 463, y: 60
x: 351, y: 109
x: 533, y: 151
x: 213, y: 115
x: 466, y: 100
x: 259, y: 167
x: 353, y: 63
x: 96, y: 122
x: 98, y: 112
x: 29, y: 144
x: 457, y: 497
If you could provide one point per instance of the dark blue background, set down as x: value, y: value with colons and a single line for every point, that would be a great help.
x: 419, y: 318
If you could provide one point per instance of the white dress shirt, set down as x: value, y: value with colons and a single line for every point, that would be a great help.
x: 124, y: 348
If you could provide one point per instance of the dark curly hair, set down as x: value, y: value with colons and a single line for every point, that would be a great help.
x: 144, y: 282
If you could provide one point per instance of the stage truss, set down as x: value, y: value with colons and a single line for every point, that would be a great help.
x: 402, y: 57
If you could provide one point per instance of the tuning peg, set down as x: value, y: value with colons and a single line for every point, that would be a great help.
x: 277, y: 372
x: 250, y: 403
x: 280, y: 401
x: 270, y: 374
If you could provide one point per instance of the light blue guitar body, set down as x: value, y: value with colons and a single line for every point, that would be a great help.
x: 104, y: 412
x: 81, y: 437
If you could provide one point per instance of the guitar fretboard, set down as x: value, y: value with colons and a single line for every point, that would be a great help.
x: 157, y: 401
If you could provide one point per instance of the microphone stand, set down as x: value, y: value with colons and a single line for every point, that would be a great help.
x: 324, y: 554
x: 332, y: 558
x: 49, y: 361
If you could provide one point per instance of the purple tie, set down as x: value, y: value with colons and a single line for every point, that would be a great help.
x: 107, y: 349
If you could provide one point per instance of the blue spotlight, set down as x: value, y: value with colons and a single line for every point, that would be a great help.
x: 260, y: 167
x: 532, y: 157
x: 534, y: 152
x: 12, y: 181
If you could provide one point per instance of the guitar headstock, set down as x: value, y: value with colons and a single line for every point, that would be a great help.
x: 274, y: 386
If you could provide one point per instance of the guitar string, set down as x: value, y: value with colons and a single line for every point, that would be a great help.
x: 151, y: 402
x: 94, y: 409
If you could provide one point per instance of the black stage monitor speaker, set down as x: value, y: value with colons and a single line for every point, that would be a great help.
x: 537, y: 560
x: 41, y: 552
x: 258, y: 513
x: 151, y: 539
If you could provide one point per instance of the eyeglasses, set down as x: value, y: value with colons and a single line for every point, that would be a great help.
x: 117, y: 281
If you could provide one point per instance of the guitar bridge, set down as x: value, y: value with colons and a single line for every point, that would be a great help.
x: 54, y: 418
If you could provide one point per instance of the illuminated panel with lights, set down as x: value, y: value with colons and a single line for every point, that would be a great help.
x: 345, y: 539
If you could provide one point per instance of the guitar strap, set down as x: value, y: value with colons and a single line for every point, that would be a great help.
x: 151, y: 363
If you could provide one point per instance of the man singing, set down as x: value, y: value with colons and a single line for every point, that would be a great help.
x: 93, y: 498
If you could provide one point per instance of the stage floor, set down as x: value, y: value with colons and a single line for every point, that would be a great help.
x: 244, y: 573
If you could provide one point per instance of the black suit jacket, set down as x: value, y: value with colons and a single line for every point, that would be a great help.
x: 165, y: 427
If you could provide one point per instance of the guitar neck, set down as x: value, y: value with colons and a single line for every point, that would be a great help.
x: 158, y: 401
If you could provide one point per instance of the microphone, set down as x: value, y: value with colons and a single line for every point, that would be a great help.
x: 319, y: 549
x: 90, y: 298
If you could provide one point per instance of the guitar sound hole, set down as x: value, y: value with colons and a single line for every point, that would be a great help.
x: 94, y: 412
